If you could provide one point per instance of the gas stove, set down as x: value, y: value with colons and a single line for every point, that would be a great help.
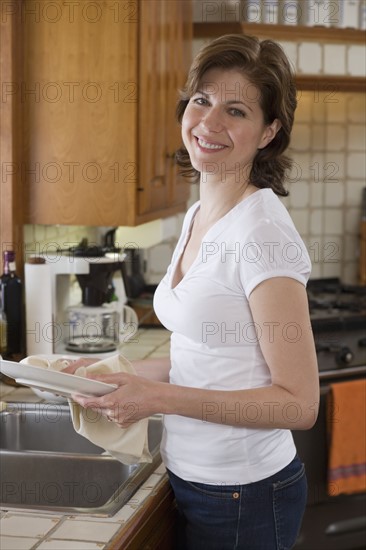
x: 338, y: 319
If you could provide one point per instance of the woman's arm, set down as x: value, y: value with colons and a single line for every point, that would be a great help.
x: 153, y: 369
x: 279, y: 304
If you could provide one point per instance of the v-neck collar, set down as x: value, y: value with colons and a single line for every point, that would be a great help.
x: 210, y: 236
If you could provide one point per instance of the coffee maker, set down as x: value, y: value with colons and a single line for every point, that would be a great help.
x: 97, y: 324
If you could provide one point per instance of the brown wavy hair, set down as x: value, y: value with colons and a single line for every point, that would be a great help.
x: 266, y: 66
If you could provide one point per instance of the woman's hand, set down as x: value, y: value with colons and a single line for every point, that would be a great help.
x: 134, y: 399
x: 82, y: 362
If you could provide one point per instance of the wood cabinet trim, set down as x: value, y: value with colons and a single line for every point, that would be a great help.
x: 11, y: 185
x: 281, y: 32
x: 134, y: 533
x: 330, y: 84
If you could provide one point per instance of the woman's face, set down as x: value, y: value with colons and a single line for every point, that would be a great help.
x: 223, y: 125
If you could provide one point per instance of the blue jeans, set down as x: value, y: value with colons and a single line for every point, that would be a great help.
x: 265, y: 515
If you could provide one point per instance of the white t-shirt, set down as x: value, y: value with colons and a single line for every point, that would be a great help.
x: 215, y: 343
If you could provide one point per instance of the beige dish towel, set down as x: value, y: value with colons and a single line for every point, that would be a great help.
x: 128, y: 445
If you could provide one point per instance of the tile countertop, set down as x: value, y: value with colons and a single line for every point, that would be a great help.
x: 44, y: 531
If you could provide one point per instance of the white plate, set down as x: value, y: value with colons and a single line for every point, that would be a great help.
x: 57, y: 382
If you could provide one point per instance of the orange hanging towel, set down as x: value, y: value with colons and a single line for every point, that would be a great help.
x: 346, y: 422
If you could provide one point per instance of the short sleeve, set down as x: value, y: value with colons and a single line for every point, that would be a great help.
x: 273, y: 249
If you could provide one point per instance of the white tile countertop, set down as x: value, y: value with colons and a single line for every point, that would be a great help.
x: 39, y: 530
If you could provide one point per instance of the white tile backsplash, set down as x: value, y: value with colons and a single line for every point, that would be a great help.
x: 318, y: 137
x: 350, y: 248
x: 333, y: 249
x: 354, y: 192
x: 356, y: 137
x: 316, y: 271
x: 334, y: 166
x: 350, y: 272
x: 301, y: 136
x: 356, y: 108
x: 356, y: 164
x: 310, y: 58
x: 291, y: 50
x: 352, y: 221
x: 334, y: 193
x: 356, y: 60
x: 304, y: 114
x: 333, y: 221
x: 336, y: 111
x: 316, y: 223
x: 301, y: 165
x: 299, y: 197
x: 332, y: 270
x: 334, y: 59
x: 332, y: 176
x: 335, y: 139
x: 301, y: 220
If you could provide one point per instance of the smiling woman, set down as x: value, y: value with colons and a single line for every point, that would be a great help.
x: 268, y: 84
x: 242, y: 371
x: 223, y: 124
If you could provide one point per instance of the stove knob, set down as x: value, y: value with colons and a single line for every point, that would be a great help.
x: 344, y: 356
x: 362, y: 342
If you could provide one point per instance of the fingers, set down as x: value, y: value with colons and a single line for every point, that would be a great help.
x: 119, y: 378
x: 70, y: 369
x: 113, y: 411
x: 82, y: 362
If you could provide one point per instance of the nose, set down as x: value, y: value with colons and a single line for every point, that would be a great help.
x: 212, y: 120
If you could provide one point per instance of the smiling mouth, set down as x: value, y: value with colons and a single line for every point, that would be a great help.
x: 207, y: 145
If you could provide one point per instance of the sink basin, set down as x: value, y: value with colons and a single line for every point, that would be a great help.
x: 46, y: 465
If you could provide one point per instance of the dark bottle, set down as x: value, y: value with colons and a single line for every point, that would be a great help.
x: 11, y: 289
x: 3, y: 327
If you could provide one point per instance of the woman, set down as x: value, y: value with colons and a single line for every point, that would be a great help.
x: 243, y: 370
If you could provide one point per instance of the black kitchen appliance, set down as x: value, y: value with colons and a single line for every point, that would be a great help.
x: 338, y: 318
x: 133, y: 275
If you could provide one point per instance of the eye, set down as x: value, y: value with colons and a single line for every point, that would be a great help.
x: 237, y: 112
x: 200, y: 100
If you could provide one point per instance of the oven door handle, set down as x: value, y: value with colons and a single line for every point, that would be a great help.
x: 333, y: 375
x: 346, y: 526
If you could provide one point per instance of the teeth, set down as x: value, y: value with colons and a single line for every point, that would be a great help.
x: 206, y: 145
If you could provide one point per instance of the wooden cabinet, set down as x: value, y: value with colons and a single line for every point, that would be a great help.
x: 97, y: 95
x: 164, y: 28
x: 154, y: 525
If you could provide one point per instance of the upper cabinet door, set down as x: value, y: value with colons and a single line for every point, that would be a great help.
x: 165, y: 55
x: 79, y: 114
x: 97, y: 108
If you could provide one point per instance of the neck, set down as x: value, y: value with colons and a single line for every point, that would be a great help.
x: 218, y: 197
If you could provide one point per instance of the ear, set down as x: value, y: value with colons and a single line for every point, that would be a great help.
x: 270, y: 132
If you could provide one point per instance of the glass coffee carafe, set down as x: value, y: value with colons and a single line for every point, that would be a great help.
x: 100, y: 323
x: 99, y: 329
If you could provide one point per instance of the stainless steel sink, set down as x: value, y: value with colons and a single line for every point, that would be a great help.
x: 45, y: 464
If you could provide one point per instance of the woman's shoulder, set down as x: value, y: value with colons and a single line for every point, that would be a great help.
x: 263, y: 210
